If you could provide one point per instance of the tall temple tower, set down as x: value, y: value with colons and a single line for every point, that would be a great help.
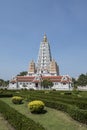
x: 44, y: 57
x: 45, y: 66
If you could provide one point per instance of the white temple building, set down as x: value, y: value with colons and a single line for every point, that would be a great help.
x: 45, y: 68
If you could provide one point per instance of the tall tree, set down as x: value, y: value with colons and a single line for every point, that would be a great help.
x: 22, y: 73
x: 74, y: 83
x: 82, y: 80
x: 46, y: 83
x: 3, y: 83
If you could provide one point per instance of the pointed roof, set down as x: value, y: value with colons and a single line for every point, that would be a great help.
x: 45, y: 38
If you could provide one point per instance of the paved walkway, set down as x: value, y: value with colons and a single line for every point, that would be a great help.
x: 4, y: 125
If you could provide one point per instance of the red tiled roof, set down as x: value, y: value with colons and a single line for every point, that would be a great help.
x: 25, y: 78
x: 13, y: 81
x: 32, y: 79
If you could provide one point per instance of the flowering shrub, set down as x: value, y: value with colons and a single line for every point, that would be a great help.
x: 47, y: 92
x: 36, y: 106
x: 17, y: 100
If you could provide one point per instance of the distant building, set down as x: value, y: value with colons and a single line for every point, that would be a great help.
x: 45, y: 68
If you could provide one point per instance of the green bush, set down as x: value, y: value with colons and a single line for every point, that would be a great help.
x: 17, y: 100
x: 46, y: 91
x: 36, y: 106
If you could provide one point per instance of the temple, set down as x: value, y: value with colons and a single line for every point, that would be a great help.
x: 45, y: 68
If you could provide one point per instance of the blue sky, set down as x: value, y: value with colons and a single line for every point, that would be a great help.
x: 23, y: 24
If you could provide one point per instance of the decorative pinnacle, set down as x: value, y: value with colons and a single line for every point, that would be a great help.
x: 45, y: 38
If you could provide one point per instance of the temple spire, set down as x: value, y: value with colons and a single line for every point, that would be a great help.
x: 45, y: 38
x: 44, y: 56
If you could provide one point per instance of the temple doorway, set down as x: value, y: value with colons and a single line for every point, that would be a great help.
x: 36, y: 85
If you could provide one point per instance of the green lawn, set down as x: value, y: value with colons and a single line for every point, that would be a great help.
x: 4, y: 125
x: 51, y: 120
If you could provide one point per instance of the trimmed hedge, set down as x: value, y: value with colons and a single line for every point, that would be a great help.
x: 74, y: 106
x: 77, y: 114
x: 2, y: 95
x: 17, y: 120
x: 73, y: 111
x: 81, y: 103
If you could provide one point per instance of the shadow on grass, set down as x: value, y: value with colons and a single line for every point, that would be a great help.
x: 18, y: 103
x: 42, y: 112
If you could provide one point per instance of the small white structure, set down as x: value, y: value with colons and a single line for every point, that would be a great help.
x: 82, y: 88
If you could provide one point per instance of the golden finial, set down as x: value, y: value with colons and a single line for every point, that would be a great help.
x: 45, y: 38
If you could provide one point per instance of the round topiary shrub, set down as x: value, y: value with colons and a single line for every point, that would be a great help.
x: 17, y: 100
x: 36, y: 106
x: 46, y: 91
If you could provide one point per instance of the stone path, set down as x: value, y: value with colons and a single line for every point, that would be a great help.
x: 4, y: 125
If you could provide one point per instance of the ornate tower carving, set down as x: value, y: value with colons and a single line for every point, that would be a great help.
x: 54, y: 68
x: 44, y: 57
x: 31, y: 68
